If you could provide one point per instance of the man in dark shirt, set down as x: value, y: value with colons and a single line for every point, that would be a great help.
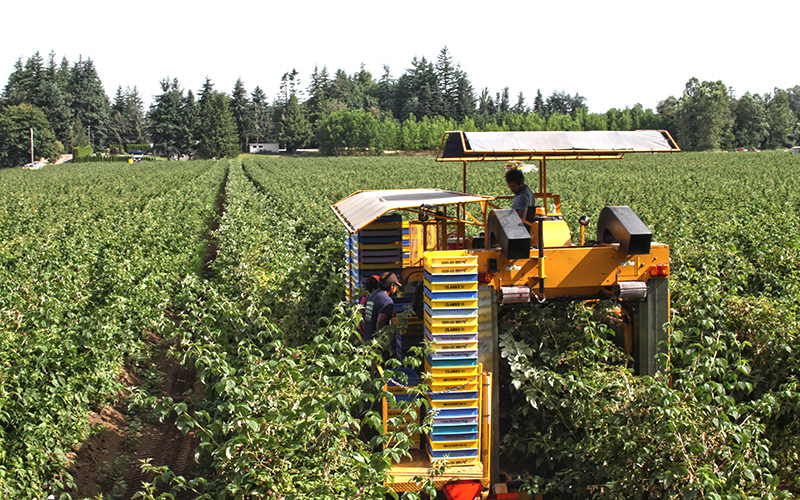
x: 379, y: 306
x: 524, y: 200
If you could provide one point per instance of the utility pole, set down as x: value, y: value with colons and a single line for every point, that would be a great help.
x: 31, y: 144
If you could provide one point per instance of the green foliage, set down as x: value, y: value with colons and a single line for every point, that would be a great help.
x: 294, y: 129
x: 16, y: 123
x: 704, y: 116
x: 217, y: 133
x: 82, y: 152
x: 90, y: 258
x: 109, y: 158
x: 172, y: 120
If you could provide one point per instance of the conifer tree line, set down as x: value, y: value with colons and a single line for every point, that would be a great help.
x: 65, y: 104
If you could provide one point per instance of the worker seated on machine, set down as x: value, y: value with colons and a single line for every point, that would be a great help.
x: 524, y: 200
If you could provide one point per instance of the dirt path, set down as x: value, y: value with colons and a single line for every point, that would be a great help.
x: 109, y: 461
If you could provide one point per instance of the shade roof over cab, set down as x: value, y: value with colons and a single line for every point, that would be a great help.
x: 363, y: 207
x: 587, y: 144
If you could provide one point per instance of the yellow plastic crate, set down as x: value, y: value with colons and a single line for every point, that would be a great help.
x: 450, y: 304
x: 454, y: 269
x: 450, y: 258
x: 454, y: 346
x: 466, y: 321
x: 452, y: 445
x: 438, y: 330
x: 436, y: 386
x: 453, y: 403
x: 463, y: 286
x: 460, y: 462
x: 461, y: 371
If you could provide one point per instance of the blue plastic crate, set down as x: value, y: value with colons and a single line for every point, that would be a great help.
x: 464, y: 436
x: 451, y: 429
x: 457, y: 295
x: 453, y: 412
x: 450, y: 278
x: 467, y: 361
x: 440, y: 396
x: 465, y: 453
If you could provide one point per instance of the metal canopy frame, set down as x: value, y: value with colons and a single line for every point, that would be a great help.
x: 566, y: 145
x: 550, y: 145
x: 363, y: 207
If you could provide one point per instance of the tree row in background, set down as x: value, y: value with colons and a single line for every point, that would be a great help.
x: 66, y: 105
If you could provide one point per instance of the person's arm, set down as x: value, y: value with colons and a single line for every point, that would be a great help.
x: 521, y: 203
x: 383, y: 320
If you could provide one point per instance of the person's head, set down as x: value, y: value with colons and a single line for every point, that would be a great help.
x: 371, y: 284
x: 389, y: 283
x: 515, y: 180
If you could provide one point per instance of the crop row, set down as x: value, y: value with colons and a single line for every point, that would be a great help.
x: 89, y: 259
x: 291, y: 402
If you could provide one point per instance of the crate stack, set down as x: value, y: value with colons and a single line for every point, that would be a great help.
x: 451, y: 325
x: 398, y: 388
x: 377, y: 248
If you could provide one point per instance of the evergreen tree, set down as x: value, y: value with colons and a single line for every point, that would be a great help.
x: 127, y: 117
x: 503, y: 102
x: 385, y: 90
x: 465, y: 97
x: 262, y: 120
x: 290, y: 83
x: 447, y: 82
x: 418, y: 91
x: 242, y: 114
x: 486, y: 107
x: 171, y: 120
x: 54, y: 105
x: 520, y: 107
x: 217, y: 134
x: 318, y: 93
x: 538, y: 104
x: 88, y: 101
x: 295, y: 129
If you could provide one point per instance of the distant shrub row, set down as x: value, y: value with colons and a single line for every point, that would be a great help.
x: 126, y: 148
x: 107, y: 158
x: 81, y: 151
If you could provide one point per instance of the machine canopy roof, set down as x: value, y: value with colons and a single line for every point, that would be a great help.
x: 363, y: 207
x: 595, y: 144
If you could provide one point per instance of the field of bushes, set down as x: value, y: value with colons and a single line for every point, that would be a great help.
x: 97, y: 259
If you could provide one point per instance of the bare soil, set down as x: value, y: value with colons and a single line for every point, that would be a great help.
x: 109, y: 461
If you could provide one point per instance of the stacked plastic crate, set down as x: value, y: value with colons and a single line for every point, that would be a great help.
x: 377, y: 248
x: 451, y: 324
x: 399, y: 386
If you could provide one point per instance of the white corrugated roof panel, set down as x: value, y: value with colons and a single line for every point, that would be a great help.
x: 363, y: 207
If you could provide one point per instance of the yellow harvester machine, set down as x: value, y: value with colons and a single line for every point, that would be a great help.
x: 457, y: 279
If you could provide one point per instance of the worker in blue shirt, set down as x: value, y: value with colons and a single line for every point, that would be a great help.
x: 379, y: 306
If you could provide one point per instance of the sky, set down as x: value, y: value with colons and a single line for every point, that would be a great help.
x: 614, y: 53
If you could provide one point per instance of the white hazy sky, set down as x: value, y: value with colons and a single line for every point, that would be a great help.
x: 615, y: 53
